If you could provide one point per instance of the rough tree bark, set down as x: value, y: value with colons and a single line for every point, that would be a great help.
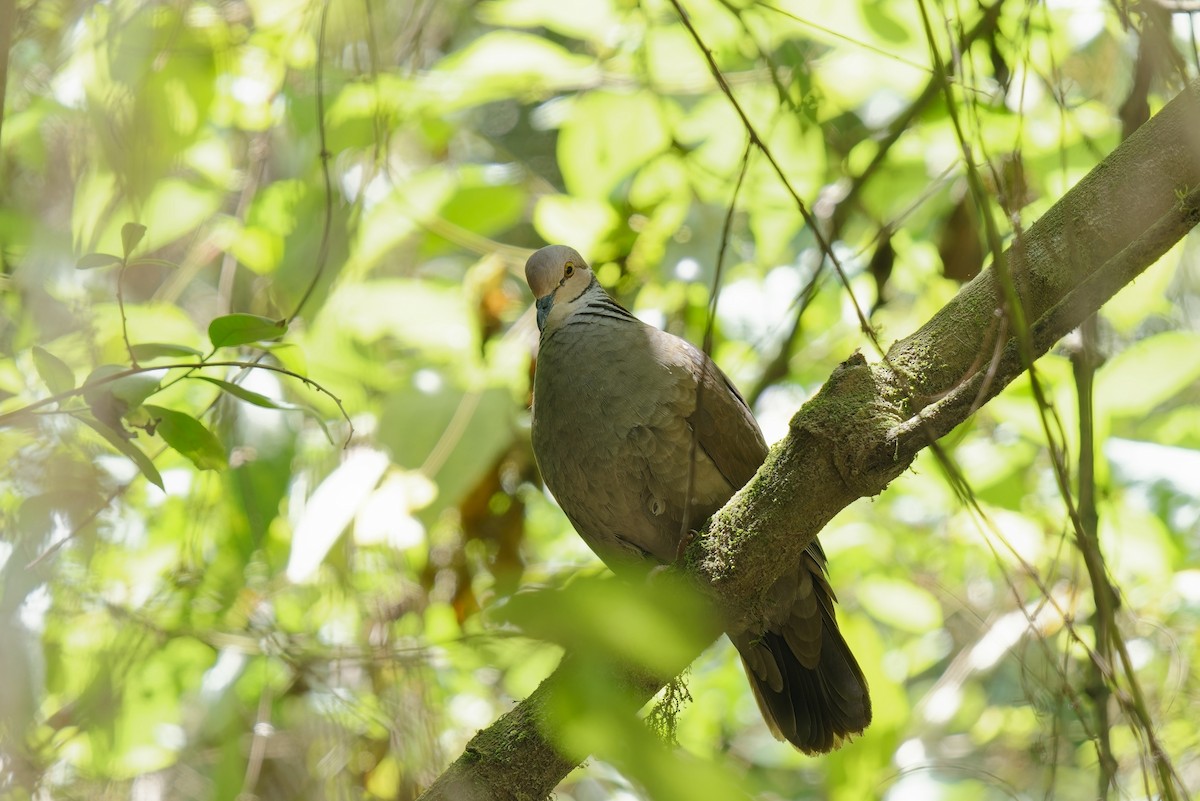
x: 870, y: 420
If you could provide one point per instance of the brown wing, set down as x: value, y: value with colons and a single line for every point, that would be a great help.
x: 724, y: 425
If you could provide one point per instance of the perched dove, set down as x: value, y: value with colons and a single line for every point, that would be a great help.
x: 616, y: 407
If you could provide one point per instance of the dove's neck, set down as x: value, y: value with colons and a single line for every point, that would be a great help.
x: 591, y: 305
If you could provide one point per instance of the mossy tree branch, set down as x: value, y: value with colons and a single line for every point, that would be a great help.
x: 869, y: 421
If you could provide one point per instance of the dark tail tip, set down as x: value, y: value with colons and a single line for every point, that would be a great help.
x: 815, y: 709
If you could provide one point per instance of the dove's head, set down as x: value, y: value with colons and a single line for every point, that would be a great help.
x: 558, y: 276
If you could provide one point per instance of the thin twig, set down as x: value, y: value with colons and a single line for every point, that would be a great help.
x: 777, y: 365
x: 259, y: 733
x: 82, y: 524
x: 324, y: 155
x: 870, y: 48
x: 761, y: 145
x: 785, y: 97
x: 1098, y: 285
x: 706, y: 345
x: 8, y: 418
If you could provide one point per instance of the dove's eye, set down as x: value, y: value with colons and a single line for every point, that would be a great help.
x: 569, y: 271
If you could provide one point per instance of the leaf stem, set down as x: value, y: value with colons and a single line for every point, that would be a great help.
x: 121, y: 307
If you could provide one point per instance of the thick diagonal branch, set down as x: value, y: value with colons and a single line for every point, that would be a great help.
x: 870, y: 420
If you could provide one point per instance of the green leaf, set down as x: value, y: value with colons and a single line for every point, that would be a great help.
x: 586, y: 222
x: 131, y: 235
x: 250, y: 396
x: 132, y: 389
x: 112, y: 400
x: 901, y: 604
x: 157, y: 350
x: 502, y: 64
x: 135, y: 454
x: 1148, y: 374
x: 650, y: 625
x: 53, y: 370
x: 240, y: 329
x: 595, y: 150
x: 188, y: 435
x: 591, y: 21
x: 93, y: 260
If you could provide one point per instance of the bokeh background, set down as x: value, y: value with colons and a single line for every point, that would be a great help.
x: 216, y: 597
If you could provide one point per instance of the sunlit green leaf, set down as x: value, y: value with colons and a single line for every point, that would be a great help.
x: 1148, y: 373
x: 392, y: 221
x: 504, y: 63
x: 93, y: 260
x: 649, y: 625
x: 53, y: 370
x: 594, y: 20
x: 131, y: 235
x: 484, y: 203
x: 151, y: 321
x: 132, y: 388
x: 241, y: 329
x: 597, y: 149
x: 290, y: 354
x: 431, y: 316
x: 110, y: 400
x: 584, y: 222
x: 188, y: 435
x: 175, y: 207
x: 248, y: 395
x: 146, y: 351
x: 900, y: 604
x: 258, y: 399
x: 258, y: 248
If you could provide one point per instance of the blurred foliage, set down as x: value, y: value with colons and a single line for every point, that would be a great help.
x: 203, y: 595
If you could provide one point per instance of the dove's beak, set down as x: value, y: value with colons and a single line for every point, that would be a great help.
x: 543, y: 309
